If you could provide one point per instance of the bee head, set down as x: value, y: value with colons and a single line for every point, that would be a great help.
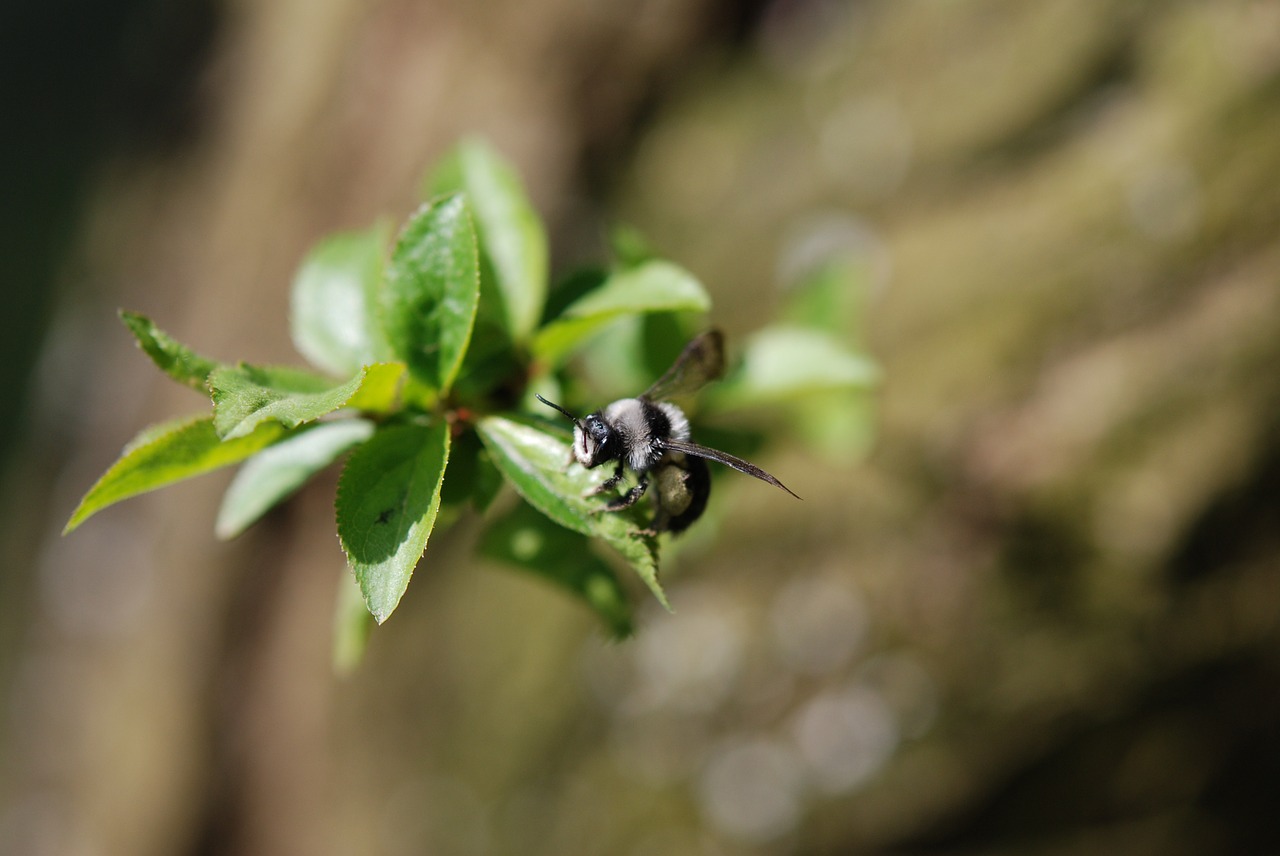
x: 592, y: 441
x: 592, y: 437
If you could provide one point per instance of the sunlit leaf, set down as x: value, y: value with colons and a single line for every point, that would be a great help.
x: 245, y: 396
x: 632, y: 353
x: 655, y: 286
x: 272, y: 475
x: 512, y: 237
x: 782, y: 364
x: 428, y: 300
x: 167, y: 453
x: 388, y: 497
x: 535, y: 464
x: 334, y: 302
x: 173, y: 358
x: 379, y: 392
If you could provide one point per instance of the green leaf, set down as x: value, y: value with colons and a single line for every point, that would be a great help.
x: 428, y: 301
x: 487, y: 482
x: 245, y: 396
x: 535, y: 465
x: 630, y: 246
x: 174, y: 359
x: 527, y: 539
x: 272, y: 475
x: 380, y: 391
x: 655, y: 286
x: 831, y: 296
x: 782, y: 364
x: 491, y: 364
x: 472, y: 476
x: 388, y: 497
x: 512, y: 237
x: 164, y: 454
x: 839, y: 425
x: 631, y: 353
x: 567, y: 290
x: 334, y: 302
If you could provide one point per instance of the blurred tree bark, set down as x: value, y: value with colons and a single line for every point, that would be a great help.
x: 1110, y: 469
x: 1072, y: 508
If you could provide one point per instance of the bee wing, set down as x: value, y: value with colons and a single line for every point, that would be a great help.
x: 688, y: 448
x: 701, y: 362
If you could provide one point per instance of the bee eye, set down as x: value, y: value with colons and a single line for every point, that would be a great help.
x: 599, y: 432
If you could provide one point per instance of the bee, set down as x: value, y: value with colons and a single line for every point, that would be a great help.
x: 649, y: 436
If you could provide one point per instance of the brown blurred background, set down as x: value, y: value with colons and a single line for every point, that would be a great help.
x: 1041, y: 616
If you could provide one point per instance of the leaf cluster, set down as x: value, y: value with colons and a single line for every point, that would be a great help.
x: 427, y: 351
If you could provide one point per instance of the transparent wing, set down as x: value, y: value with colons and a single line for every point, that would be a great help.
x: 701, y: 362
x: 688, y: 448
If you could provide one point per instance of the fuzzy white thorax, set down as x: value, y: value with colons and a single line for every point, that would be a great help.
x: 679, y: 422
x: 632, y: 419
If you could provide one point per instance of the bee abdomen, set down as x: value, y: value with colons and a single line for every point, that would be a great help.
x: 683, y: 490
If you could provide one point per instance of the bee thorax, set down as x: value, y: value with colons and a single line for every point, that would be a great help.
x: 679, y: 424
x: 642, y: 426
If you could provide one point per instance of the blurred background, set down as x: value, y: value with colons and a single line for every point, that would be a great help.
x: 1039, y: 613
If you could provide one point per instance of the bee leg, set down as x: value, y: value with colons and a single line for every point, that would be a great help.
x: 607, y: 484
x: 631, y: 497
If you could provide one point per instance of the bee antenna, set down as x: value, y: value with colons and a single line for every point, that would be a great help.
x: 555, y: 406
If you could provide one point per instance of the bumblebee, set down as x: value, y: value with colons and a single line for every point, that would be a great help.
x: 650, y: 436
